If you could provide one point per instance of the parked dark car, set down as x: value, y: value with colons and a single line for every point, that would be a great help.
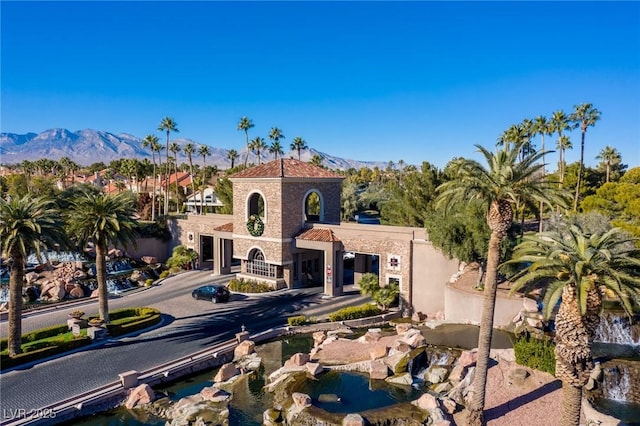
x: 215, y: 293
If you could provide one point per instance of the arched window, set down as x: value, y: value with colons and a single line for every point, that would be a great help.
x: 257, y: 265
x: 255, y: 205
x: 313, y: 207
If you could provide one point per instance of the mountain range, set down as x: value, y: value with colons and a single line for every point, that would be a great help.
x: 88, y: 146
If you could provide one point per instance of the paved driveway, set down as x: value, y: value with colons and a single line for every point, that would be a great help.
x: 188, y: 326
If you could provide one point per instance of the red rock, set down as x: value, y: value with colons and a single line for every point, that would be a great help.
x: 378, y: 351
x: 142, y: 394
x: 468, y: 358
x: 298, y: 359
x: 378, y: 370
x: 426, y: 402
x: 301, y: 400
x: 244, y: 348
x: 226, y: 372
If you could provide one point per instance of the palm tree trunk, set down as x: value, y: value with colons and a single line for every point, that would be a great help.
x: 153, y: 196
x: 577, y: 197
x: 476, y: 417
x: 204, y: 178
x: 246, y: 157
x: 166, y: 185
x: 193, y: 182
x: 15, y: 304
x: 571, y: 403
x: 177, y: 186
x: 608, y: 171
x: 101, y: 275
x: 544, y: 174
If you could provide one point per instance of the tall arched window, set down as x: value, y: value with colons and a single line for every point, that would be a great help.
x: 255, y: 205
x: 313, y: 207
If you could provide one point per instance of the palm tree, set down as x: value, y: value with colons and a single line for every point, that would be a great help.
x: 26, y: 225
x: 298, y: 144
x: 584, y: 116
x: 577, y: 267
x: 563, y: 144
x: 609, y: 156
x: 204, y: 151
x: 559, y: 123
x: 276, y: 149
x: 232, y: 155
x: 317, y: 160
x: 168, y: 125
x: 257, y: 145
x: 542, y: 127
x: 500, y: 186
x: 245, y: 124
x: 103, y: 220
x: 275, y: 135
x: 65, y: 164
x: 152, y: 142
x: 175, y: 148
x: 190, y: 149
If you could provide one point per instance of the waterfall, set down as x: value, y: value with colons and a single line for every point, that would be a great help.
x: 615, y: 329
x: 616, y: 384
x: 443, y: 359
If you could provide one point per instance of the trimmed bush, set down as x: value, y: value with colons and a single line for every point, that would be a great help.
x: 297, y: 320
x: 164, y: 274
x: 249, y: 286
x: 33, y: 355
x: 535, y: 353
x: 355, y: 312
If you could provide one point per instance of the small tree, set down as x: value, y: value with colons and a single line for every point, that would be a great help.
x: 383, y: 296
x: 181, y: 258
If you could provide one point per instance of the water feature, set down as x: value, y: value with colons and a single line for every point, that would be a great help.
x: 351, y: 389
x: 616, y: 329
x: 55, y: 256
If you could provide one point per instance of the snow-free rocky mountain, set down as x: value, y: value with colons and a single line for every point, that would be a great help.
x: 89, y: 146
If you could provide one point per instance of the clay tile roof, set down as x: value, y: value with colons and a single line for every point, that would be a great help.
x: 323, y: 235
x: 227, y: 227
x: 287, y: 168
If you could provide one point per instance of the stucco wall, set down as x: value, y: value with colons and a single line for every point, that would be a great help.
x: 149, y: 247
x: 431, y: 271
x: 466, y: 306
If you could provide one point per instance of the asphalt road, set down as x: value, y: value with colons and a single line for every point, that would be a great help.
x: 188, y: 326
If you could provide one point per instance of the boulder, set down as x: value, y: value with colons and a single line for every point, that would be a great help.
x: 318, y: 338
x: 149, y: 260
x: 404, y: 379
x: 378, y: 351
x: 31, y: 277
x: 518, y: 375
x: 395, y: 360
x: 458, y: 373
x: 399, y: 347
x: 140, y: 395
x: 353, y: 420
x: 415, y: 340
x: 214, y: 394
x: 76, y: 292
x: 442, y: 388
x: 403, y: 327
x: 418, y: 317
x: 226, y: 372
x: 245, y: 347
x: 297, y: 359
x: 301, y: 400
x: 249, y: 362
x: 94, y: 294
x: 272, y: 417
x: 426, y: 402
x: 372, y: 335
x: 436, y: 374
x: 314, y: 368
x: 468, y: 358
x: 378, y: 370
x: 448, y: 405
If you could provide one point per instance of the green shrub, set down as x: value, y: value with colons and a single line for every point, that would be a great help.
x: 355, y: 312
x: 148, y: 282
x: 297, y: 320
x: 535, y: 353
x: 249, y: 286
x: 40, y: 334
x: 383, y: 296
x: 164, y: 274
x: 135, y: 324
x: 33, y: 355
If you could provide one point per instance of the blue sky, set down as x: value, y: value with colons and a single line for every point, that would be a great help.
x: 364, y: 80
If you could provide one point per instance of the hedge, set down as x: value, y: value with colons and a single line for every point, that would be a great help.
x: 355, y: 312
x: 297, y: 320
x: 39, y: 334
x: 535, y: 353
x: 249, y: 286
x: 7, y: 362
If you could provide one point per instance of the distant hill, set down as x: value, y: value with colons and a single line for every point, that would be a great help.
x: 89, y: 146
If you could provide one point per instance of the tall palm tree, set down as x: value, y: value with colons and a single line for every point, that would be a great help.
x: 175, y: 149
x: 560, y: 122
x: 65, y: 164
x: 563, y: 144
x: 584, y: 116
x: 190, y: 149
x: 542, y: 127
x: 245, y: 124
x: 317, y: 160
x: 168, y: 125
x: 276, y: 134
x: 276, y: 149
x: 258, y: 145
x: 576, y: 267
x: 232, y: 155
x: 528, y: 131
x: 152, y: 142
x: 103, y: 220
x: 500, y: 186
x: 204, y: 151
x: 609, y: 156
x: 26, y: 225
x: 298, y: 144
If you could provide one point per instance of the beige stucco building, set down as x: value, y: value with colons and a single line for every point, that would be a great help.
x: 286, y: 231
